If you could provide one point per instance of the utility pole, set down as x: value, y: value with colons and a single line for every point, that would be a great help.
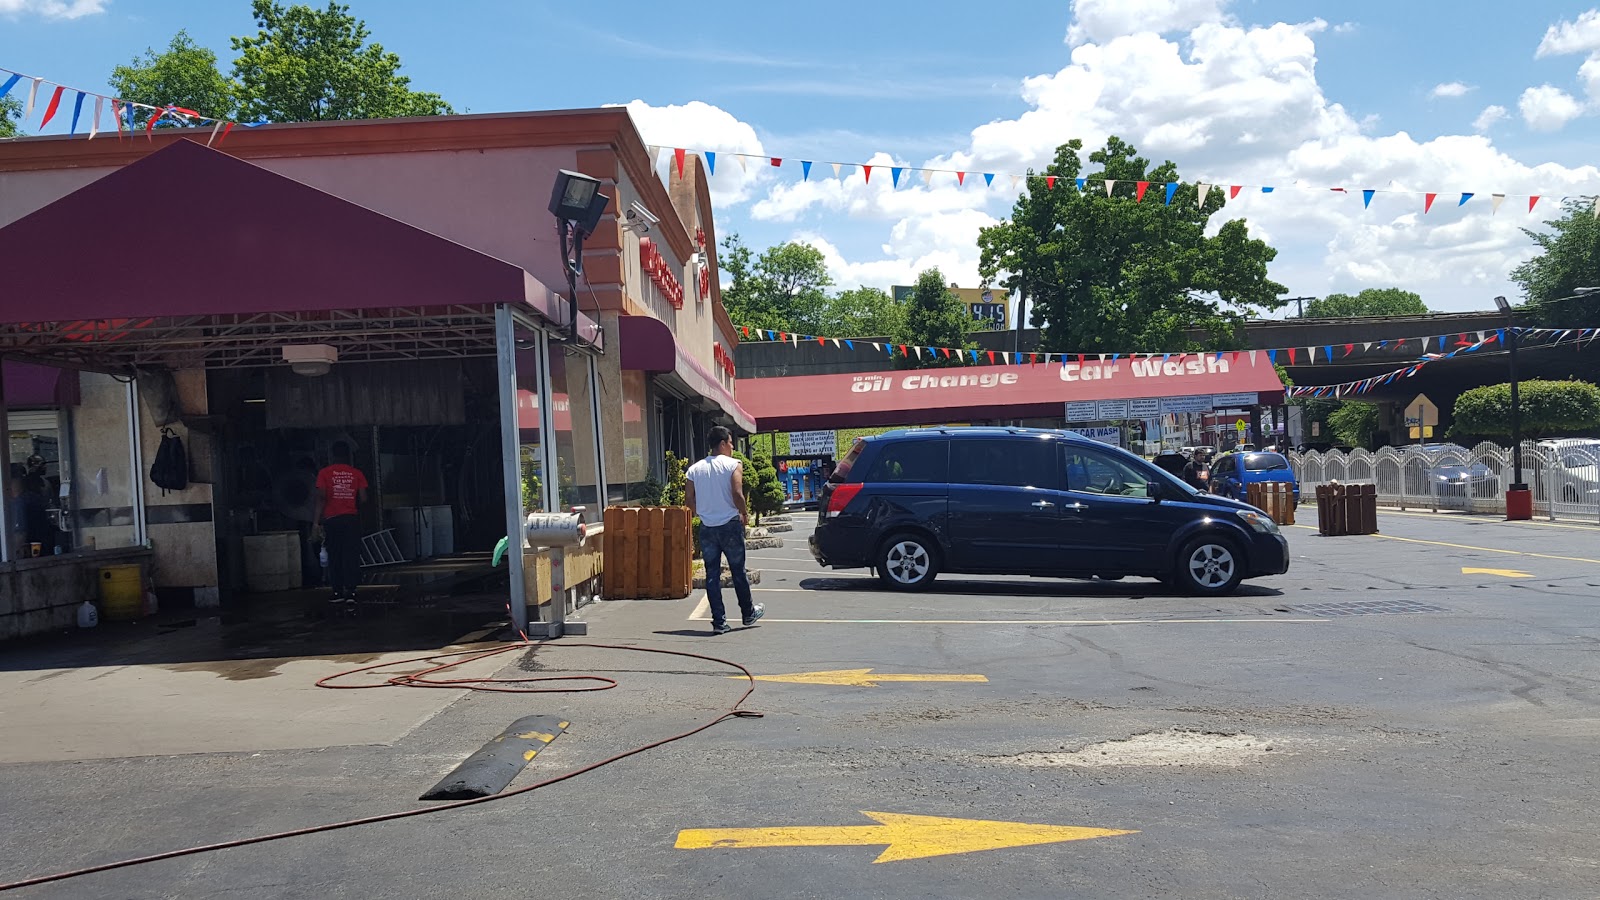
x: 1300, y: 304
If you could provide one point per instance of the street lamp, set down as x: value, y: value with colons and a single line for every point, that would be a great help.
x: 577, y: 204
x: 1519, y: 502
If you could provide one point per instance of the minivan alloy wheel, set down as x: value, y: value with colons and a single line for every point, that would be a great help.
x: 1211, y: 565
x: 907, y: 562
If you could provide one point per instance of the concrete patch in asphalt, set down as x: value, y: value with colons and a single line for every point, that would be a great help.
x: 1174, y: 747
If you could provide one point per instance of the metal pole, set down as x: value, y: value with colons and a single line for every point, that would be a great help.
x: 550, y: 453
x: 1516, y: 415
x: 141, y: 533
x: 505, y: 348
x: 6, y: 525
x: 602, y: 489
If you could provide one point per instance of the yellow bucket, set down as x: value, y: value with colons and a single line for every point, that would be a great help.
x: 121, y: 592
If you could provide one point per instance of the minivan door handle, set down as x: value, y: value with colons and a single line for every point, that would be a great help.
x: 1077, y: 507
x: 1041, y: 504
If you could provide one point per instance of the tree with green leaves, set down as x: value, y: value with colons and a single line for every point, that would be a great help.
x: 1569, y: 261
x: 10, y: 115
x: 1548, y: 408
x: 1369, y: 302
x: 784, y: 289
x: 766, y: 492
x: 1355, y: 423
x: 184, y: 75
x: 1117, y: 273
x: 863, y: 312
x: 309, y: 65
x: 935, y: 317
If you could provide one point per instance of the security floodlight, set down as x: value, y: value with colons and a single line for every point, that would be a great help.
x: 310, y: 359
x: 1501, y: 304
x: 576, y: 198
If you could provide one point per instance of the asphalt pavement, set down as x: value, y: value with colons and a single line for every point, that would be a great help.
x: 1411, y: 714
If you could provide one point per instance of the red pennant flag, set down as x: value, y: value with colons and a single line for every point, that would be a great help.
x: 1291, y: 356
x: 1531, y: 200
x: 1233, y: 191
x: 867, y: 171
x: 1080, y: 358
x: 903, y: 350
x: 782, y: 336
x: 777, y: 160
x: 1138, y: 196
x: 677, y: 157
x: 746, y: 330
x: 1050, y: 182
x: 822, y: 341
x: 1349, y: 349
x: 961, y: 178
x: 224, y: 135
x: 946, y: 352
x: 991, y: 357
x: 116, y: 114
x: 1032, y: 358
x: 55, y: 103
x: 150, y: 123
x: 1427, y: 203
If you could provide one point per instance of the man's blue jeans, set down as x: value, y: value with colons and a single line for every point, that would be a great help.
x: 717, y: 541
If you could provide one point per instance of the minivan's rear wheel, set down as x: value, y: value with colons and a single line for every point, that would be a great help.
x: 1209, y: 566
x: 907, y: 562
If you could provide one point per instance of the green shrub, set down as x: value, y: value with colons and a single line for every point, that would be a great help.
x: 1354, y: 423
x: 676, y: 492
x: 762, y: 487
x: 1549, y: 409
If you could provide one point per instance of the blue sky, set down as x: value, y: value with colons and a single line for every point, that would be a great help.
x: 1248, y: 91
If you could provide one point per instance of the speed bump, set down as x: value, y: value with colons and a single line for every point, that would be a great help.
x: 489, y: 770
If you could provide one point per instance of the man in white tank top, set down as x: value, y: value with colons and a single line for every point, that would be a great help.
x: 716, y: 494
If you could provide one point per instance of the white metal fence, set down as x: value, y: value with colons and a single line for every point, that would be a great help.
x: 1563, y: 477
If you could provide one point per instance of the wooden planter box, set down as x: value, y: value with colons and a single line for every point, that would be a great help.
x: 648, y: 553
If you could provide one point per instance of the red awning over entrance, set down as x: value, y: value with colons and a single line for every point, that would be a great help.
x: 648, y: 346
x: 980, y: 393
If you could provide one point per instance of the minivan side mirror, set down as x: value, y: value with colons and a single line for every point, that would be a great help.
x: 1153, y: 490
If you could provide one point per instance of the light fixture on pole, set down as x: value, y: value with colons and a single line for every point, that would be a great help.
x: 1519, y: 501
x: 577, y: 204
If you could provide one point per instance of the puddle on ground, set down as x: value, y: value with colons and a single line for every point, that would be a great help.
x: 1176, y: 747
x: 251, y: 669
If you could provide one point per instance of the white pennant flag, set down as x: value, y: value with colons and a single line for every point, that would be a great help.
x: 1494, y: 202
x: 1253, y: 358
x: 1204, y: 190
x: 1014, y: 180
x: 919, y: 352
x: 743, y: 167
x: 794, y: 339
x: 1313, y: 354
x: 836, y: 168
x: 1102, y: 357
x: 876, y: 345
x: 1597, y: 207
x: 836, y: 342
x: 1005, y: 357
x: 1367, y: 346
x: 1110, y: 183
x: 94, y: 124
x: 214, y: 129
x: 927, y: 177
x: 33, y: 95
x: 655, y: 157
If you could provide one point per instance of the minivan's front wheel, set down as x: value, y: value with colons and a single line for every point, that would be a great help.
x: 907, y: 562
x: 1209, y: 566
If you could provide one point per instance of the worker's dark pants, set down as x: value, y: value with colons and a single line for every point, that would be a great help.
x: 342, y: 539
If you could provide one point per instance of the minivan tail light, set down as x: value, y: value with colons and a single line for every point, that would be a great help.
x: 841, y: 496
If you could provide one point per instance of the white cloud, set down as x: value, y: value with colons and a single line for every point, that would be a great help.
x: 701, y: 126
x: 1548, y: 108
x: 1488, y: 118
x: 1450, y: 89
x: 1346, y: 28
x: 1103, y: 20
x: 948, y: 242
x: 1579, y: 36
x: 850, y: 192
x: 52, y: 9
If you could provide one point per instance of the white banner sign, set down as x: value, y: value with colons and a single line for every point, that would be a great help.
x: 1107, y: 410
x: 1084, y: 411
x: 1148, y: 408
x: 812, y: 443
x: 1186, y: 404
x: 1225, y: 401
x: 1107, y: 435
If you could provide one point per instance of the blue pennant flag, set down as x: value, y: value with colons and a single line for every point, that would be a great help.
x: 988, y: 179
x: 890, y: 348
x: 1082, y: 182
x: 805, y: 170
x: 711, y: 161
x: 1464, y: 199
x: 1166, y: 356
x: 1327, y: 351
x: 10, y: 83
x: 894, y: 172
x: 1172, y: 188
x: 1266, y: 190
x: 771, y: 336
x: 77, y: 110
x: 974, y: 355
x: 1116, y: 356
x: 849, y: 343
x: 1219, y: 354
x: 1366, y: 198
x: 1272, y: 357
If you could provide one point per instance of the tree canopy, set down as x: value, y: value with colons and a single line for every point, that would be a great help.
x: 10, y: 113
x: 185, y: 75
x: 1569, y: 260
x: 935, y: 317
x: 1369, y: 302
x: 786, y: 288
x: 1549, y: 409
x: 303, y: 65
x: 1117, y: 274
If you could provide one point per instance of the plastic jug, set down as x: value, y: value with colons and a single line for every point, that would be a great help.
x: 88, y: 616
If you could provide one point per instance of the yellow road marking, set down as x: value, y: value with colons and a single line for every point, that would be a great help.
x: 906, y: 836
x: 1390, y: 537
x: 1503, y: 573
x: 528, y: 757
x: 859, y: 678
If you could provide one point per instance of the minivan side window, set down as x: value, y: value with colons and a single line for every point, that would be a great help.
x: 1011, y: 463
x: 1094, y: 472
x: 1265, y: 462
x: 1224, y: 466
x: 912, y: 461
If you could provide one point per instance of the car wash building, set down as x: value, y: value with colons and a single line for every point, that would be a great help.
x: 394, y: 286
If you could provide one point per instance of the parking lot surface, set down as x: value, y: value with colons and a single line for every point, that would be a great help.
x: 1410, y: 714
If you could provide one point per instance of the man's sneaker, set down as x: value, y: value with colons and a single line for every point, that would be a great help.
x: 723, y: 628
x: 756, y: 612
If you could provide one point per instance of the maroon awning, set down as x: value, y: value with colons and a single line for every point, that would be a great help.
x: 648, y: 346
x: 967, y: 393
x: 189, y: 231
x: 28, y: 386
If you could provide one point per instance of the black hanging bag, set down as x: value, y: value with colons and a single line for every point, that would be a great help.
x: 171, y: 469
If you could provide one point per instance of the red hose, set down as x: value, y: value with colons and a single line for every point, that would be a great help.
x: 419, y: 679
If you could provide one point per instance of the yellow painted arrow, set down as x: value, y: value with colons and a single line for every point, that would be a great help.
x: 859, y: 678
x: 1503, y: 573
x: 907, y: 837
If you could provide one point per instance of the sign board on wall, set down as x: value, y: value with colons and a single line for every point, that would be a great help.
x: 1186, y: 404
x: 1107, y: 410
x: 1148, y: 408
x: 1105, y: 435
x: 812, y: 443
x: 1224, y: 401
x: 1084, y: 411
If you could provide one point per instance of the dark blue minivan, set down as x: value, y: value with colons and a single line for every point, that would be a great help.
x: 1020, y: 501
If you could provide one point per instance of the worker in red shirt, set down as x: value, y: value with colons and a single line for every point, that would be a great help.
x: 340, y: 488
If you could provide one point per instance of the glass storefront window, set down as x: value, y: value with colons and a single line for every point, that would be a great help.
x: 579, y: 482
x: 631, y: 472
x: 34, y: 482
x: 99, y: 484
x: 529, y: 430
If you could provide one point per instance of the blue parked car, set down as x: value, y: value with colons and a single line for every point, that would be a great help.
x: 1233, y: 473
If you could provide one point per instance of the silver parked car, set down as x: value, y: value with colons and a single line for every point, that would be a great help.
x: 1573, y: 469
